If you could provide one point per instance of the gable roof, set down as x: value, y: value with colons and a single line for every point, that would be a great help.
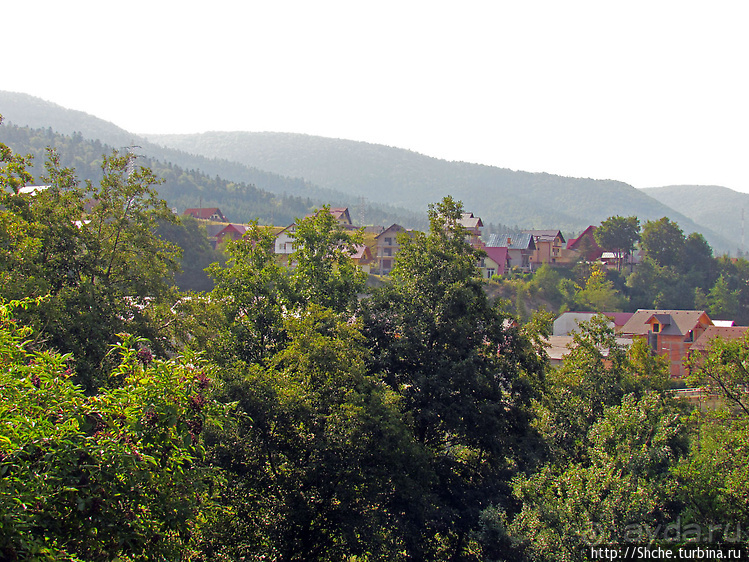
x: 573, y: 243
x: 392, y: 229
x: 568, y: 322
x: 726, y: 333
x: 238, y: 228
x: 674, y: 322
x: 522, y: 241
x: 545, y: 235
x: 362, y: 253
x: 467, y: 220
x: 340, y: 214
x: 498, y: 256
x: 206, y: 213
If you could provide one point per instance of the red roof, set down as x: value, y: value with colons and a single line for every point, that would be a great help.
x: 498, y: 256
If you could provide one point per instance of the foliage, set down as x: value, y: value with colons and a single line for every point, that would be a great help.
x: 197, y: 252
x: 663, y: 241
x: 326, y: 469
x: 324, y: 272
x: 253, y: 292
x: 724, y: 370
x: 94, y: 478
x: 619, y: 235
x: 599, y: 294
x: 94, y: 251
x: 619, y: 492
x: 465, y: 378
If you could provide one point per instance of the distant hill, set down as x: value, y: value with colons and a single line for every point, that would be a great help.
x: 719, y: 207
x: 411, y: 180
x: 381, y: 184
x: 27, y: 111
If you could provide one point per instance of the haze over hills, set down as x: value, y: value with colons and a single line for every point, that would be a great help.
x: 27, y: 111
x: 408, y: 179
x: 720, y: 207
x: 396, y: 184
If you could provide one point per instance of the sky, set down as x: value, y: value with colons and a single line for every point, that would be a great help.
x: 650, y: 93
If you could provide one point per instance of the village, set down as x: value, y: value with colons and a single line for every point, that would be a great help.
x: 676, y: 335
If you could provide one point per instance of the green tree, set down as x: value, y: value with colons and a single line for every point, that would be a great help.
x: 698, y: 259
x: 663, y: 241
x: 320, y: 465
x: 619, y: 235
x: 324, y: 272
x: 110, y: 476
x: 94, y: 251
x: 465, y: 378
x: 620, y: 492
x: 723, y: 302
x: 254, y: 291
x: 599, y: 293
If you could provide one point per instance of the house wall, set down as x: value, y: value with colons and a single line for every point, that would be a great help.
x: 284, y: 244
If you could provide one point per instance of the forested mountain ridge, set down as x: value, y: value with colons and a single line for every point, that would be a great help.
x: 232, y: 186
x: 408, y: 179
x: 720, y: 207
x: 384, y: 184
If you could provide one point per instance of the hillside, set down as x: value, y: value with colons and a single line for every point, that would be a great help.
x: 408, y: 179
x: 27, y: 111
x: 380, y: 184
x: 720, y: 207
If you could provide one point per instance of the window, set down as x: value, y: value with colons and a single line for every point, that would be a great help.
x: 489, y: 272
x: 656, y: 327
x: 388, y: 241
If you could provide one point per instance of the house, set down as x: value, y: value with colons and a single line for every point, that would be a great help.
x: 584, y: 246
x: 231, y: 232
x: 495, y: 262
x: 549, y: 245
x: 362, y: 256
x: 473, y: 225
x: 558, y: 347
x: 520, y: 248
x: 341, y: 215
x: 387, y: 247
x: 669, y: 333
x: 568, y: 322
x: 285, y: 240
x: 206, y: 214
x: 702, y: 344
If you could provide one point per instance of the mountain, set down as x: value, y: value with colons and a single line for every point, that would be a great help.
x: 720, y: 207
x: 384, y: 184
x: 22, y: 110
x: 408, y: 179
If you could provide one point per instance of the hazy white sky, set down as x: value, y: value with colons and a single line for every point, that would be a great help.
x: 647, y: 92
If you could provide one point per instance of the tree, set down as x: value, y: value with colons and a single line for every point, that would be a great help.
x: 320, y: 465
x: 253, y: 291
x: 698, y: 259
x: 103, y: 477
x: 324, y: 272
x: 619, y: 493
x: 464, y: 377
x: 663, y: 241
x: 94, y: 251
x: 599, y: 293
x: 723, y: 302
x: 619, y: 235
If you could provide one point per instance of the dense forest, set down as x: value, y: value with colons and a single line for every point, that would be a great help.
x: 408, y: 179
x: 295, y: 414
x: 185, y: 188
